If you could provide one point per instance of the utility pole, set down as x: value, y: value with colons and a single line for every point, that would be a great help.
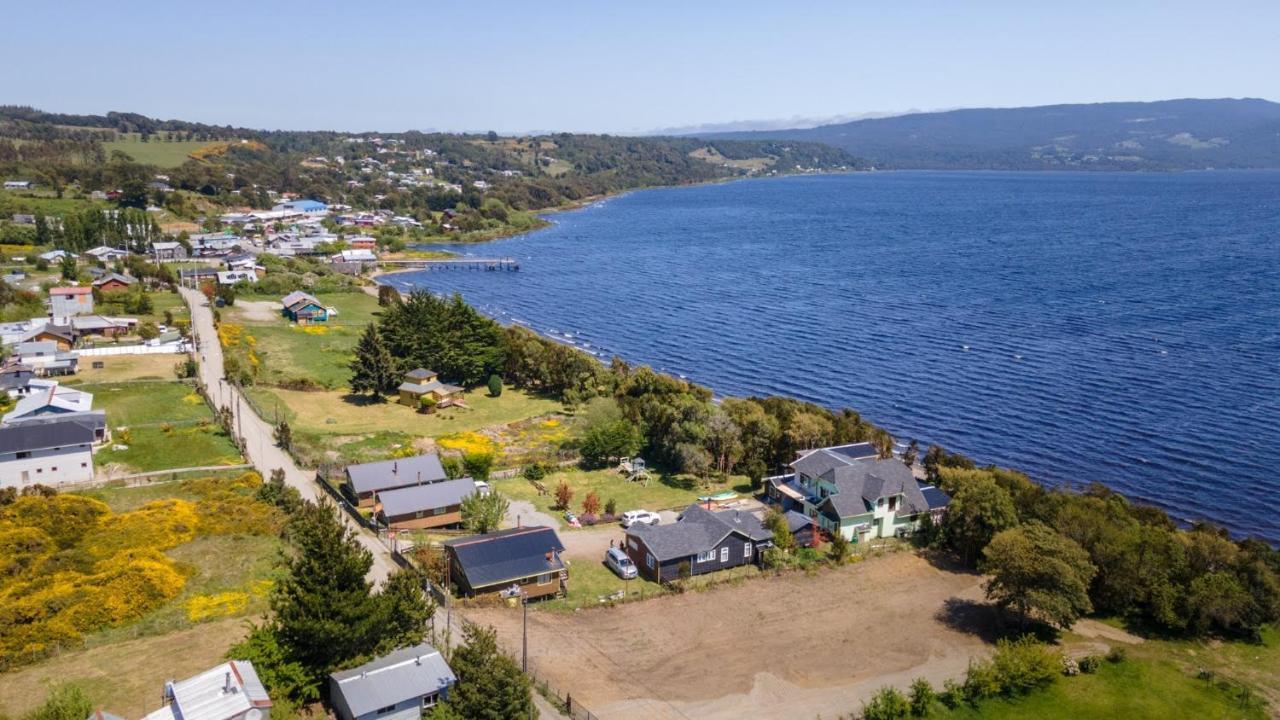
x: 524, y: 604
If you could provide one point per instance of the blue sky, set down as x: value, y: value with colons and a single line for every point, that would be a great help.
x: 619, y: 67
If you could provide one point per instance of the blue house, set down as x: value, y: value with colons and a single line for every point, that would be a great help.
x: 303, y: 308
x: 306, y: 207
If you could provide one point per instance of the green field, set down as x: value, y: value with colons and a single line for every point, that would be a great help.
x: 148, y: 403
x: 156, y: 152
x: 660, y: 494
x: 321, y: 352
x: 1137, y: 689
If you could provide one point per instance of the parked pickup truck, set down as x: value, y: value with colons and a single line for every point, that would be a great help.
x: 639, y: 517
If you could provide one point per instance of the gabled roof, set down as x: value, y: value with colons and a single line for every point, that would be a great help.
x: 415, y: 498
x: 404, y: 674
x: 860, y: 484
x: 77, y: 290
x: 698, y: 530
x: 400, y: 472
x: 114, y: 276
x: 296, y: 298
x: 422, y: 388
x: 507, y: 555
x: 52, y: 399
x: 420, y: 374
x: 935, y: 497
x: 223, y: 692
x: 29, y: 437
x: 816, y: 462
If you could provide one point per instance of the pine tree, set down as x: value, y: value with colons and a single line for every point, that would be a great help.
x: 323, y: 606
x: 373, y: 370
x: 490, y: 684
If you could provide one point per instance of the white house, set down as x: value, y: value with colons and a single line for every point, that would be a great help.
x: 357, y: 255
x: 54, y: 454
x: 231, y: 277
x: 46, y: 397
x: 107, y: 254
x: 17, y: 184
x: 230, y: 691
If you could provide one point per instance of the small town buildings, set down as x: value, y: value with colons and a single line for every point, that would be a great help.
x: 46, y: 358
x: 230, y: 691
x: 303, y: 308
x: 168, y: 251
x: 423, y: 382
x: 113, y: 283
x: 53, y: 255
x: 102, y: 253
x: 360, y: 255
x: 63, y: 336
x: 846, y: 489
x: 526, y: 558
x: 362, y: 242
x: 15, y: 378
x: 699, y: 542
x: 47, y: 397
x: 430, y: 505
x: 365, y: 480
x: 68, y: 301
x: 18, y: 185
x: 53, y: 454
x: 239, y: 261
x: 401, y: 685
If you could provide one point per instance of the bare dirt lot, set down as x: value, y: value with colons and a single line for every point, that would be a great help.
x: 259, y: 310
x: 791, y: 646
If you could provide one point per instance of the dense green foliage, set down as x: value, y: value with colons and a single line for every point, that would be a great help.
x: 1197, y: 581
x: 373, y: 371
x: 325, y: 615
x: 490, y: 684
x: 445, y: 335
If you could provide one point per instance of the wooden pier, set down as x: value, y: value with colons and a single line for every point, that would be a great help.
x: 459, y: 263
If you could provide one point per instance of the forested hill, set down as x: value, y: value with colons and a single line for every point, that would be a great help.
x: 237, y: 165
x: 1165, y: 135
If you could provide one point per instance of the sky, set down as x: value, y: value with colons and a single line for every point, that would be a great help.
x: 617, y: 67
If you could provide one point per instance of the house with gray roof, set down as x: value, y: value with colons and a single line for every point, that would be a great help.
x: 47, y: 453
x: 430, y: 505
x: 527, y: 558
x: 365, y: 480
x: 230, y: 691
x: 700, y: 541
x: 401, y: 685
x: 848, y: 490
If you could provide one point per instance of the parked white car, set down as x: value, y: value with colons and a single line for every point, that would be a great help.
x: 620, y: 563
x: 639, y: 517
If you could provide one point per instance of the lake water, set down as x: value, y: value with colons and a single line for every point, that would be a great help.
x: 1122, y: 328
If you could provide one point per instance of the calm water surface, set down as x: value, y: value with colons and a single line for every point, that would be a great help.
x: 1123, y: 328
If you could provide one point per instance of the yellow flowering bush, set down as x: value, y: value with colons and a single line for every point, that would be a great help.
x: 469, y: 443
x: 70, y: 566
x: 226, y: 604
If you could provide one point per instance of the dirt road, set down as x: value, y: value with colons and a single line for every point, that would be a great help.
x: 780, y: 647
x: 258, y: 434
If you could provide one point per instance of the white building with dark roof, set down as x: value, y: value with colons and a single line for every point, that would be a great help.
x: 52, y: 453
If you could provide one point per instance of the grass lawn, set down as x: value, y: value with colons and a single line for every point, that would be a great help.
x: 160, y: 301
x: 148, y: 403
x: 151, y: 448
x: 126, y: 677
x: 333, y: 420
x: 589, y: 580
x: 320, y: 352
x: 118, y: 368
x: 1134, y: 689
x: 156, y: 152
x: 660, y: 494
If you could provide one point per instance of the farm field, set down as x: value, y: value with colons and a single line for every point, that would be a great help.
x: 156, y: 152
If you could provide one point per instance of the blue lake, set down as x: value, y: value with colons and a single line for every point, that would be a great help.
x: 1121, y: 328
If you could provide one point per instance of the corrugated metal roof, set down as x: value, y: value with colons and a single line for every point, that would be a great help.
x: 219, y: 693
x: 408, y: 500
x: 405, y: 674
x: 401, y: 472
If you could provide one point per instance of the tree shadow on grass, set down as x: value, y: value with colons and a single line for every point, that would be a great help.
x: 363, y: 400
x: 986, y: 621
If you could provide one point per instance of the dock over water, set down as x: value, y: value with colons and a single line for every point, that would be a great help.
x: 460, y: 263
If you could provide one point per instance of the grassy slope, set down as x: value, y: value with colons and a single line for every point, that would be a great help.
x: 158, y: 153
x: 320, y: 352
x: 145, y: 408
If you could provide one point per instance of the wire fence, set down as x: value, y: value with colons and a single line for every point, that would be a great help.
x: 563, y: 702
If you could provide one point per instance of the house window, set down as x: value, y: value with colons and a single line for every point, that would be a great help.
x: 746, y: 551
x: 648, y: 560
x: 893, y: 502
x: 544, y: 578
x: 418, y: 514
x: 879, y: 502
x: 429, y: 701
x: 23, y: 454
x: 385, y: 710
x: 707, y: 556
x: 724, y: 554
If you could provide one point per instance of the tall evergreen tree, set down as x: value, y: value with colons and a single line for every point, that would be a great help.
x: 490, y: 684
x: 373, y: 370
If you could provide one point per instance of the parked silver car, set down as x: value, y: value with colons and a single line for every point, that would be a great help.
x: 620, y: 563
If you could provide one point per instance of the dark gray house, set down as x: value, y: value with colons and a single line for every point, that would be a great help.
x: 366, y: 480
x: 399, y: 686
x: 704, y: 540
x: 525, y: 557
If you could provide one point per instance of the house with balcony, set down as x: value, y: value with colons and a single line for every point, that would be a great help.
x: 848, y: 489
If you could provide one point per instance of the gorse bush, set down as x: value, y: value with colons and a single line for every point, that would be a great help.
x: 70, y: 566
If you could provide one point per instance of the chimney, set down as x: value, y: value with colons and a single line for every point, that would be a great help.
x: 226, y: 683
x: 419, y: 477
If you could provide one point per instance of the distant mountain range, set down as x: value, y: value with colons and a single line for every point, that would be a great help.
x: 793, y: 123
x: 1164, y: 135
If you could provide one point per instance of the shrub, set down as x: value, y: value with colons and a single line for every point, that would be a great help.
x: 981, y: 681
x: 495, y: 386
x: 887, y: 704
x: 952, y: 693
x: 922, y: 697
x: 1024, y: 665
x: 1089, y: 663
x: 535, y: 471
x: 588, y: 519
x: 1117, y: 655
x: 611, y: 507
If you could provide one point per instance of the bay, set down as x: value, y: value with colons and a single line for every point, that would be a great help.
x: 1122, y: 328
